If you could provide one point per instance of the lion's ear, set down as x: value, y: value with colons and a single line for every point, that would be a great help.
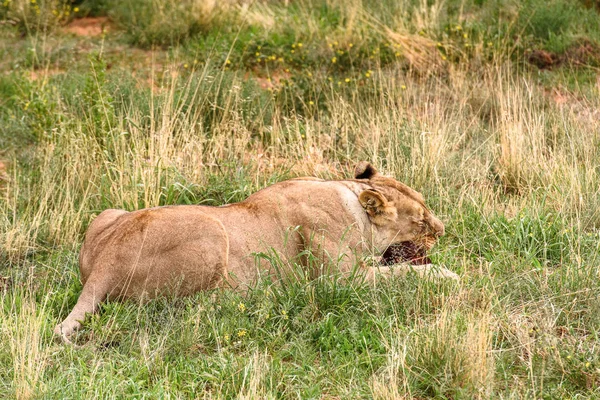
x: 376, y: 205
x: 364, y: 170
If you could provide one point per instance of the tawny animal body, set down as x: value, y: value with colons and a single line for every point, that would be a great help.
x: 185, y: 249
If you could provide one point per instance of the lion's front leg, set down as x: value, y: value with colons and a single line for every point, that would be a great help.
x: 427, y: 271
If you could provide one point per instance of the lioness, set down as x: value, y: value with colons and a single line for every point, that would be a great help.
x: 191, y: 248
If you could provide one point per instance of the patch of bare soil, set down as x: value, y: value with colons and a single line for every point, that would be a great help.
x: 582, y: 110
x: 44, y: 73
x: 272, y: 82
x: 543, y: 59
x: 88, y: 26
x: 3, y: 187
x: 559, y: 97
x: 3, y: 174
x: 584, y: 53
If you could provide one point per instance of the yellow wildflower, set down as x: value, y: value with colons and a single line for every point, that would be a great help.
x: 242, y: 333
x: 334, y: 60
x: 242, y: 307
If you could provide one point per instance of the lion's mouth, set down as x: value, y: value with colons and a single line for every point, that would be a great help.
x: 405, y: 252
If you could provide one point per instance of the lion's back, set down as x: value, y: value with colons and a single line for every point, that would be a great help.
x: 150, y: 247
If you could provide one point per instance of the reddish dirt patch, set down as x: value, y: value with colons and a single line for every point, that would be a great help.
x: 272, y: 82
x: 559, y: 97
x: 3, y: 174
x: 89, y: 26
x: 543, y: 59
x: 44, y: 73
x: 584, y: 53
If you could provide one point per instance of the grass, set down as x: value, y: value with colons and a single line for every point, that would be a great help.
x: 213, y: 104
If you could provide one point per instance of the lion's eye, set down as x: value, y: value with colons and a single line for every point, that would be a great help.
x: 420, y: 222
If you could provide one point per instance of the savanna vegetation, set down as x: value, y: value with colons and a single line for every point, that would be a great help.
x: 490, y: 108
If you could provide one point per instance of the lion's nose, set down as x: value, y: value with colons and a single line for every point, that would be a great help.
x: 436, y: 225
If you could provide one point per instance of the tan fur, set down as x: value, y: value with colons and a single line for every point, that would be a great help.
x: 184, y: 249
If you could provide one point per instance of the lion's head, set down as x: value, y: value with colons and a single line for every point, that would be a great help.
x: 398, y: 211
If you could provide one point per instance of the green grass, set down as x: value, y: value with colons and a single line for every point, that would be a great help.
x: 210, y: 103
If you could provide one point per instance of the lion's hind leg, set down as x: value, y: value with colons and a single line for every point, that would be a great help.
x: 93, y: 293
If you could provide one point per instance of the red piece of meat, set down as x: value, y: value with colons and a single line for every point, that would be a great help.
x: 405, y: 252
